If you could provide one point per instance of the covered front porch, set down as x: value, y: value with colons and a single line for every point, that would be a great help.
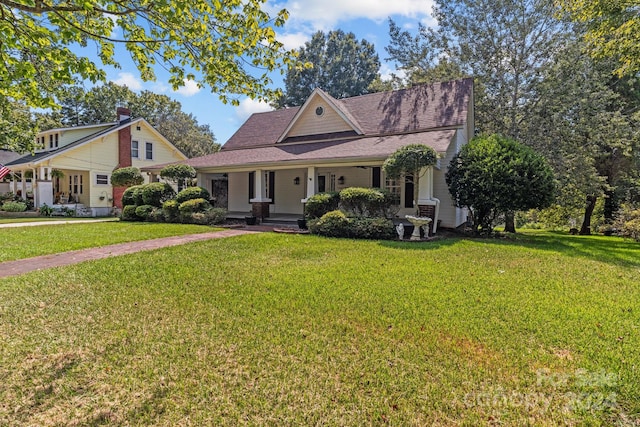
x: 67, y: 191
x: 279, y: 193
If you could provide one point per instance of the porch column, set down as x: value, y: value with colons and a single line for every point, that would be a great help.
x: 260, y: 203
x: 312, y: 179
x: 428, y: 205
x: 24, y: 185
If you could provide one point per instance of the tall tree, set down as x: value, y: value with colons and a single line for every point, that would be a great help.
x: 217, y: 44
x: 613, y: 30
x: 342, y: 67
x: 503, y: 44
x: 584, y: 127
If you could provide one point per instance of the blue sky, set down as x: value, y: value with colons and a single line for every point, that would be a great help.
x: 367, y: 19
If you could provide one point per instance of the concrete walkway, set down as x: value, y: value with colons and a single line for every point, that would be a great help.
x: 21, y: 266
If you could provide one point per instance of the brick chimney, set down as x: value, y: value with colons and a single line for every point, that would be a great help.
x: 124, y: 138
x: 124, y: 151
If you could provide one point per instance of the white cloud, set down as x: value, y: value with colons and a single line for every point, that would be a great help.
x: 293, y: 40
x: 325, y: 14
x: 128, y: 80
x: 190, y: 88
x: 249, y: 106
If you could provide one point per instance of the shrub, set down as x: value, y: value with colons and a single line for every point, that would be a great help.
x: 129, y: 213
x: 216, y: 216
x: 361, y: 201
x: 143, y: 211
x: 14, y: 206
x: 178, y: 173
x: 192, y: 193
x: 331, y: 224
x: 156, y: 193
x: 628, y: 222
x: 372, y: 228
x: 132, y: 196
x: 193, y: 206
x: 170, y: 210
x: 321, y: 203
x: 45, y: 210
x: 124, y: 177
x: 156, y: 215
x: 210, y: 217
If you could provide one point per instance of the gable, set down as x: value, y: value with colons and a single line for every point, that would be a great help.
x: 311, y: 123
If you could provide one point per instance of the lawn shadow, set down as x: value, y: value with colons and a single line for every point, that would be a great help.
x: 611, y: 250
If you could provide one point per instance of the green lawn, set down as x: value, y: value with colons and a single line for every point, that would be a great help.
x: 8, y: 220
x: 25, y: 242
x: 272, y: 329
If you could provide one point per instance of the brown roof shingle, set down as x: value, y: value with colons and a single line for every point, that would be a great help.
x: 415, y: 109
x: 370, y: 148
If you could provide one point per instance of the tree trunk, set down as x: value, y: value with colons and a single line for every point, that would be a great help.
x: 585, y: 230
x: 509, y: 222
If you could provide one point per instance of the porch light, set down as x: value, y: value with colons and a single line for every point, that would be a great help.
x: 296, y: 180
x: 341, y: 180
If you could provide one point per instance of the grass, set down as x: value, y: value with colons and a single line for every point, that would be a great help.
x: 297, y: 330
x: 25, y: 242
x: 8, y: 220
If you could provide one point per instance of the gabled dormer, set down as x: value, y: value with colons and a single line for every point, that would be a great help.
x: 320, y: 117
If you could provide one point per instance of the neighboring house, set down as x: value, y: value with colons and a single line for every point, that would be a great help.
x: 73, y: 166
x: 278, y: 159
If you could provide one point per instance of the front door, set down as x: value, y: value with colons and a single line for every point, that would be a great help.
x: 220, y: 192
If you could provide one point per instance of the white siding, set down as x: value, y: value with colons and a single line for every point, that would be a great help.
x: 239, y: 192
x: 449, y: 215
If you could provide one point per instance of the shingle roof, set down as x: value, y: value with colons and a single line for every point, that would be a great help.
x: 370, y: 148
x: 7, y: 156
x: 425, y: 114
x: 415, y: 109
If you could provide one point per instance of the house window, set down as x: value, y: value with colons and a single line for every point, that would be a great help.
x: 135, y: 150
x: 51, y: 141
x: 252, y: 185
x: 102, y: 179
x: 394, y: 188
x: 375, y: 177
x: 148, y: 151
x: 57, y: 140
x: 271, y: 186
x: 75, y: 184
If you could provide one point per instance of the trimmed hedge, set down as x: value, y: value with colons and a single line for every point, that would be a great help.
x: 337, y: 224
x: 321, y: 203
x: 191, y: 193
x: 132, y: 196
x: 156, y: 193
x: 129, y: 213
x: 14, y: 206
x: 361, y: 201
x: 144, y: 211
x: 193, y: 206
x: 170, y: 210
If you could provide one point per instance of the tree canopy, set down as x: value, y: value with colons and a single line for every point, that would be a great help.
x: 342, y: 67
x: 492, y: 175
x: 212, y: 43
x: 613, y: 30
